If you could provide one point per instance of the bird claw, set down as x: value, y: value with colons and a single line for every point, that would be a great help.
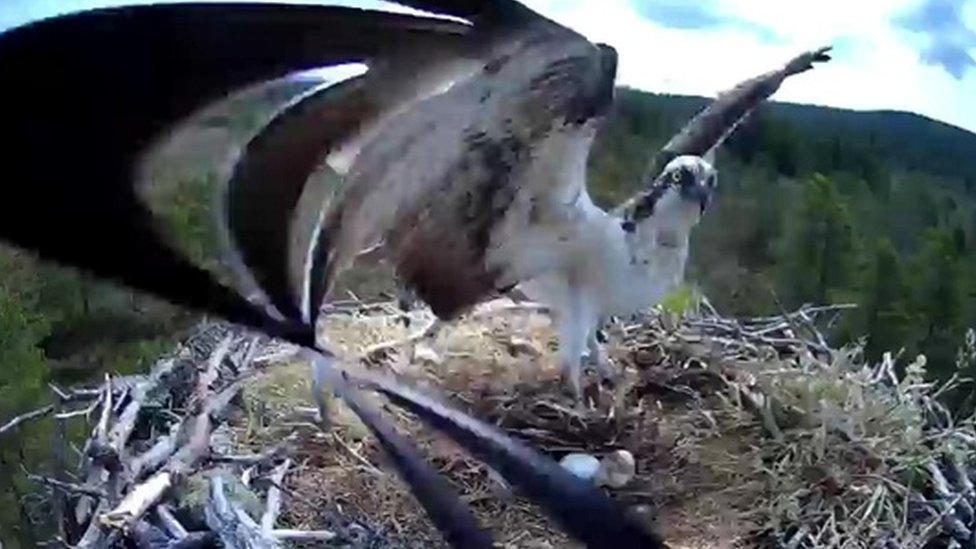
x: 805, y: 61
x: 321, y: 390
x: 571, y: 378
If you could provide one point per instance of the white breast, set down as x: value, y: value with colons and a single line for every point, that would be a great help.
x: 617, y: 273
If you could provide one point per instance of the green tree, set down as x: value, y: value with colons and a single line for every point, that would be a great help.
x: 818, y: 252
x: 23, y: 368
x: 938, y: 298
x: 883, y: 314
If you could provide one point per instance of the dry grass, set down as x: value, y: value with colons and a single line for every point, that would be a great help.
x: 738, y: 443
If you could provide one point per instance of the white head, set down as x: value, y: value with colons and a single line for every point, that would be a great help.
x: 679, y: 196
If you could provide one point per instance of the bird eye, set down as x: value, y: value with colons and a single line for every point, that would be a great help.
x: 676, y: 176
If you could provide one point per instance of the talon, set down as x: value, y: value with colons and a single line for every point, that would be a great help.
x: 321, y: 390
x: 571, y: 379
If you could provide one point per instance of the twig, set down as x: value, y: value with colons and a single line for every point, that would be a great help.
x: 266, y: 456
x: 138, y: 501
x: 303, y: 535
x: 429, y: 329
x: 69, y: 487
x: 233, y: 526
x: 365, y: 462
x: 170, y: 523
x: 13, y: 423
x: 274, y: 499
x: 87, y: 411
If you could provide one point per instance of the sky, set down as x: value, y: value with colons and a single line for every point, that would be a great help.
x: 910, y: 55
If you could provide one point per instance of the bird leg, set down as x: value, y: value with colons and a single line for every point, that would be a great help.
x: 321, y: 365
x: 573, y: 330
x: 598, y: 354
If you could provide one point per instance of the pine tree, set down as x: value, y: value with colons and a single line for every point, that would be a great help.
x: 883, y: 315
x: 938, y: 298
x: 818, y: 251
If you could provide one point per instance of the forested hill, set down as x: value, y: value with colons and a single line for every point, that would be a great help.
x: 805, y: 138
x: 899, y: 139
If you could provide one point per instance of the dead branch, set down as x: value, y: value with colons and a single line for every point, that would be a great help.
x: 232, y: 524
x: 263, y: 458
x: 169, y: 522
x: 304, y: 535
x: 274, y: 499
x: 138, y: 501
x: 68, y: 487
x: 14, y: 422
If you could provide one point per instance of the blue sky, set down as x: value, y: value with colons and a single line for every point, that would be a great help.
x: 913, y: 55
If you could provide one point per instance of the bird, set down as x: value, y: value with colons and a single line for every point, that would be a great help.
x: 465, y: 165
x: 626, y: 260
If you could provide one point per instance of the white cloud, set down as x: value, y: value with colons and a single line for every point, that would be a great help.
x: 875, y: 66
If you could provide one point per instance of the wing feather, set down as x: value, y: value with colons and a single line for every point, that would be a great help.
x: 709, y: 129
x: 439, y: 180
x: 87, y: 94
x: 580, y: 508
x: 273, y: 169
x: 335, y: 124
x: 440, y: 501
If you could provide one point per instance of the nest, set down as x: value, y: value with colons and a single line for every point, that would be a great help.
x: 748, y: 432
x: 745, y: 432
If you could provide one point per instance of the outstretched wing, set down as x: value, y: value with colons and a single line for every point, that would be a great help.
x: 271, y: 173
x: 438, y: 144
x: 86, y: 94
x: 711, y: 127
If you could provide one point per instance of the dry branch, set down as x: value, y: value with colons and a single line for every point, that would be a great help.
x: 274, y: 499
x: 69, y: 487
x: 14, y: 422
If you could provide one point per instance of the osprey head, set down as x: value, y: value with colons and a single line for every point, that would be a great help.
x: 683, y: 190
x: 687, y: 182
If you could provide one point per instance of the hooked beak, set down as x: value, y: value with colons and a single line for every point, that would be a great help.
x: 700, y: 194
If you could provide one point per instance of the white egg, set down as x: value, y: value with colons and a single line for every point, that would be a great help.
x: 583, y: 466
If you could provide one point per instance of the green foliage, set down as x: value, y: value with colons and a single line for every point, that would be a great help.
x: 883, y: 316
x: 818, y: 251
x: 23, y: 368
x: 681, y: 300
x: 187, y: 206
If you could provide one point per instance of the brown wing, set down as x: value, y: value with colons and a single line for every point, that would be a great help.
x: 125, y: 76
x: 709, y: 129
x: 268, y: 179
x: 439, y: 180
x: 333, y: 123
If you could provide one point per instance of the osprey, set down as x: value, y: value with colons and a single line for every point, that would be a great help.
x: 464, y: 147
x: 465, y: 159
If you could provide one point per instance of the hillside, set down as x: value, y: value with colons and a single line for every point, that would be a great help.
x: 900, y: 140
